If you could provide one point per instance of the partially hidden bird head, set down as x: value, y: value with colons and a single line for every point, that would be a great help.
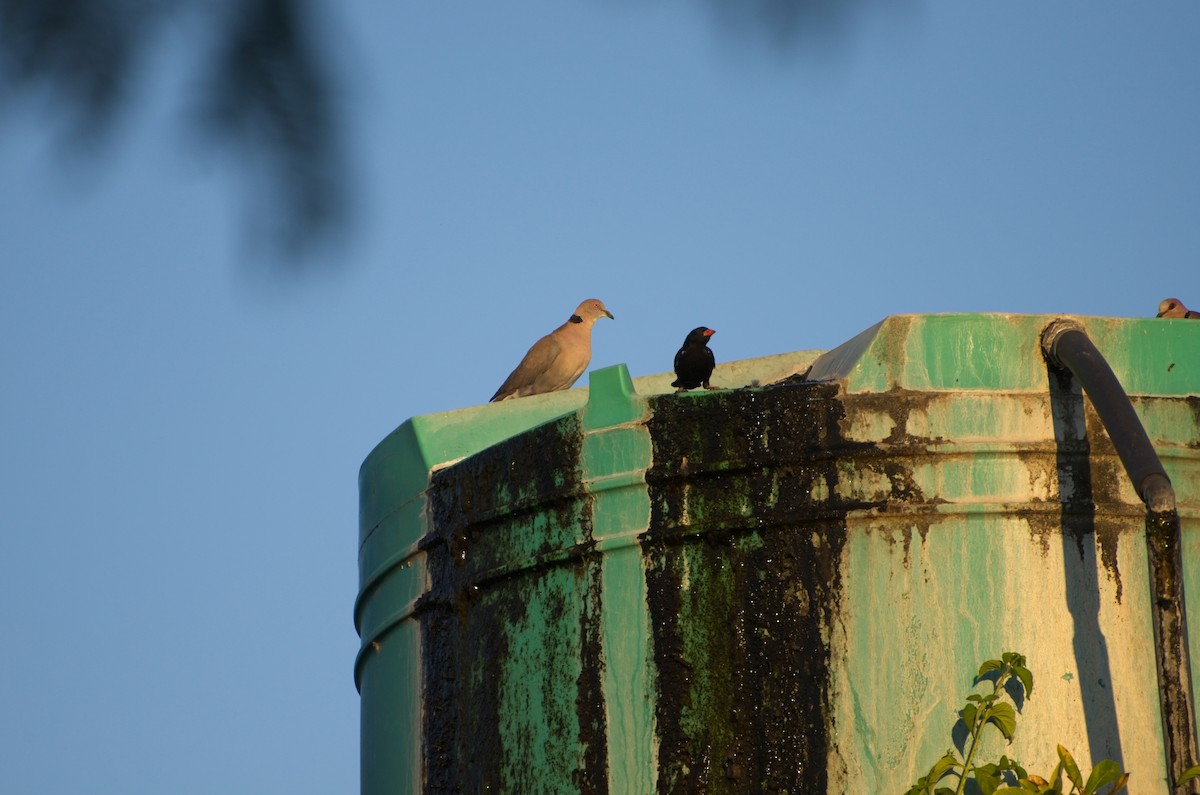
x: 699, y: 336
x: 590, y: 311
x: 1171, y: 307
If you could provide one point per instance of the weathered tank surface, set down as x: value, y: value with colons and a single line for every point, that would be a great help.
x: 777, y: 587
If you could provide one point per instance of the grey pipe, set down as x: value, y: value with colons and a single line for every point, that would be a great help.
x: 1067, y: 346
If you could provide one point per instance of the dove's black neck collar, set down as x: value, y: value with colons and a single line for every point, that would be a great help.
x: 574, y: 319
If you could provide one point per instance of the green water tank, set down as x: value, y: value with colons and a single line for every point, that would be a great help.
x: 783, y: 586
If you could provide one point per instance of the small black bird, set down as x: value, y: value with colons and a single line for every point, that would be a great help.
x: 694, y: 362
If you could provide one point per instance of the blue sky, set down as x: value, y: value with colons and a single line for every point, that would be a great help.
x: 182, y: 431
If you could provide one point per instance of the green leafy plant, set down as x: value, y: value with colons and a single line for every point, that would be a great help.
x: 1009, y: 676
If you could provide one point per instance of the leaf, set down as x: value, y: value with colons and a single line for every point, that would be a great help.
x: 1070, y: 768
x: 940, y: 768
x: 1004, y: 718
x: 1026, y: 677
x: 1054, y: 784
x: 968, y: 716
x: 1029, y: 786
x: 987, y: 777
x: 1011, y: 764
x: 1120, y: 784
x: 990, y: 665
x: 1187, y: 775
x: 1105, y: 772
x: 936, y: 773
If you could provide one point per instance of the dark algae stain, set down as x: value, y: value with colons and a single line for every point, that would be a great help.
x: 742, y: 571
x: 1164, y: 541
x: 1193, y: 404
x: 510, y: 537
x: 592, y: 777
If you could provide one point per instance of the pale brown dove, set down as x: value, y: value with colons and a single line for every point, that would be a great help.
x: 1173, y: 307
x: 558, y: 359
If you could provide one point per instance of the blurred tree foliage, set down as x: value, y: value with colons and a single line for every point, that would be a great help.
x: 265, y: 92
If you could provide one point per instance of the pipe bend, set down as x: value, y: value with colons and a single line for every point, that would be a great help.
x: 1066, y: 346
